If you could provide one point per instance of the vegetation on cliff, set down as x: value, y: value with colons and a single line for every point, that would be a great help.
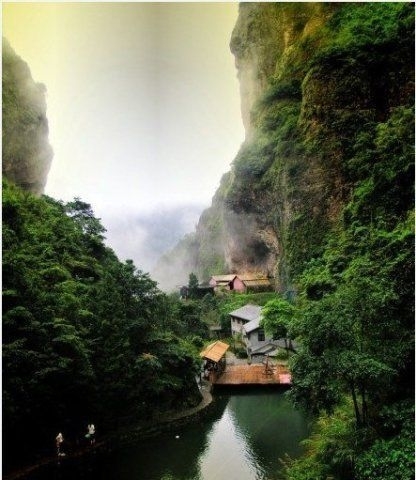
x: 26, y: 153
x: 353, y: 263
x: 317, y: 80
x: 85, y: 336
x: 321, y: 195
x: 335, y: 84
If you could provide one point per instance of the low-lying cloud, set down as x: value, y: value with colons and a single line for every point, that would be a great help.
x: 144, y: 237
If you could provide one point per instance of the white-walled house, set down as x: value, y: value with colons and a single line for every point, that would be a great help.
x: 256, y: 340
x: 243, y: 315
x: 246, y: 321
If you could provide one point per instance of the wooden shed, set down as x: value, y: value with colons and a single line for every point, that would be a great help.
x: 214, y: 359
x: 224, y: 282
x: 251, y: 282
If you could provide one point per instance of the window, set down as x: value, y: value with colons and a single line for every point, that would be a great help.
x: 260, y: 335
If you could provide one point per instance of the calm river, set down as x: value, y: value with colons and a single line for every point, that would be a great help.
x: 241, y: 439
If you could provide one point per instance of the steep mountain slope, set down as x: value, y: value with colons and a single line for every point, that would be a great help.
x: 27, y: 154
x: 316, y: 81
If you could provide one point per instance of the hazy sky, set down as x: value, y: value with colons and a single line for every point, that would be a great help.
x: 143, y: 102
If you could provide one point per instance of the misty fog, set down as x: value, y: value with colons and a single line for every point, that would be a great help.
x: 144, y: 237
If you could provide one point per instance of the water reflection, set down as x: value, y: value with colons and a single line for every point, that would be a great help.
x: 242, y: 438
x: 255, y: 431
x: 167, y: 457
x: 225, y: 457
x: 272, y: 428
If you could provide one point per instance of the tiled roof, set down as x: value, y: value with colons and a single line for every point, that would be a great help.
x: 215, y: 351
x: 252, y: 276
x: 223, y: 278
x: 256, y: 282
x: 252, y: 325
x: 248, y: 312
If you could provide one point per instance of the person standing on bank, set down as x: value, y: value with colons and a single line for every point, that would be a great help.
x: 91, y: 433
x: 59, y: 439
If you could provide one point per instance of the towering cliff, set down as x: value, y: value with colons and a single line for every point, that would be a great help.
x: 27, y: 154
x: 317, y: 80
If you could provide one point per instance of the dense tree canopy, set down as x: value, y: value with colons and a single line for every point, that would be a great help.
x: 85, y: 336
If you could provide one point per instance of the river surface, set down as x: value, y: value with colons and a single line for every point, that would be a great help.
x: 242, y: 438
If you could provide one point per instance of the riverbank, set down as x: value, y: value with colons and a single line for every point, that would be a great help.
x: 125, y: 436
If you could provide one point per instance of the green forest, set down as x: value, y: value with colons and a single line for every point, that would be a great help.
x: 85, y: 336
x: 354, y: 312
x: 354, y: 320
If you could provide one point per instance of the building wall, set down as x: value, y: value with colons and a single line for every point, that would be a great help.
x: 237, y: 325
x: 238, y: 285
x: 252, y: 342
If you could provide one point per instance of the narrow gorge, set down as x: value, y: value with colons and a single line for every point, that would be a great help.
x: 317, y: 80
x: 319, y: 198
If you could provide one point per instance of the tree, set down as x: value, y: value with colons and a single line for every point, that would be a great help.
x: 81, y: 330
x: 352, y: 340
x: 277, y: 316
x: 193, y: 285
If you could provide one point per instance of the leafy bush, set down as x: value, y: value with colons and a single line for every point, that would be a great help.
x: 282, y: 355
x: 241, y: 353
x: 329, y: 450
x: 254, y: 158
x: 359, y: 30
x: 281, y: 89
x: 388, y: 460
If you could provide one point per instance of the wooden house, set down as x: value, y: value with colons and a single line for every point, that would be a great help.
x: 198, y: 292
x: 214, y: 359
x: 184, y: 292
x: 222, y: 282
x: 245, y: 282
x: 249, y: 282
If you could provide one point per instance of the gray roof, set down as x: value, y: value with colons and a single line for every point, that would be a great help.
x: 252, y: 325
x: 268, y: 349
x: 248, y: 312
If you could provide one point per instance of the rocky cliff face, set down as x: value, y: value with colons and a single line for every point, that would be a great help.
x: 315, y: 79
x: 26, y: 154
x: 263, y: 42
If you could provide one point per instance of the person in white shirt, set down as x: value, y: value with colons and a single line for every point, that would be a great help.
x: 91, y: 433
x: 59, y: 439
